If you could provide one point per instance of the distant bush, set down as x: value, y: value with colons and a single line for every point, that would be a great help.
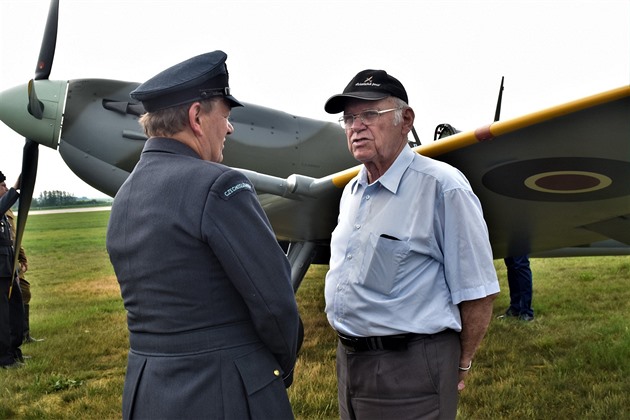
x: 54, y: 199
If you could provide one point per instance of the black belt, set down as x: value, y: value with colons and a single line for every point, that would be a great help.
x: 386, y: 342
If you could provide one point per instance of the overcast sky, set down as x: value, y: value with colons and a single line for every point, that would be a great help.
x: 292, y: 55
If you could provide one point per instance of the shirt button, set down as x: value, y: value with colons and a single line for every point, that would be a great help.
x: 349, y: 257
x: 367, y: 197
x: 357, y: 226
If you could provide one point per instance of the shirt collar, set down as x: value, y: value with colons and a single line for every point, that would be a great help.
x: 391, y: 178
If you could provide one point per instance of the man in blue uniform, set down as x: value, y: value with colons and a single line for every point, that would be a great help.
x: 11, y: 307
x: 213, y: 322
x: 411, y: 279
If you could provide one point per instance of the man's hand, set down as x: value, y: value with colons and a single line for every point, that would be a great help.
x: 476, y: 315
x: 461, y: 385
x: 18, y: 183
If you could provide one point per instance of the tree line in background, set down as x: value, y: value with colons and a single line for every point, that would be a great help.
x: 54, y: 199
x: 65, y: 199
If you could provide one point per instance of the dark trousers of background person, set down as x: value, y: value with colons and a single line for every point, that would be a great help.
x: 25, y: 288
x: 11, y: 322
x: 417, y: 383
x: 519, y: 276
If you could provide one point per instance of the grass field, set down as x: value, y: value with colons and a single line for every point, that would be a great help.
x: 572, y: 362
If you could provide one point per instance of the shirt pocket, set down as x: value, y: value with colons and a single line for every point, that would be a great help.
x: 387, y: 255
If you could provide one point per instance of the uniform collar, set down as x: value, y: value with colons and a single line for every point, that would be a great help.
x: 163, y: 144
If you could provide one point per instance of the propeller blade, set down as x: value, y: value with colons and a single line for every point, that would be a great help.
x: 35, y: 106
x: 47, y: 50
x: 27, y: 186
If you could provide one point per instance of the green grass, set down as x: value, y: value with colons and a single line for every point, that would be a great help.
x: 572, y: 362
x: 78, y: 371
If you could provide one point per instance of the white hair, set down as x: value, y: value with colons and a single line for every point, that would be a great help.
x: 398, y: 114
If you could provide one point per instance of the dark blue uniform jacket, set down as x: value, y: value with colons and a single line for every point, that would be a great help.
x: 211, y: 313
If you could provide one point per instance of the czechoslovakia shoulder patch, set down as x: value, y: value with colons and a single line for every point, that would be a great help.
x: 237, y: 188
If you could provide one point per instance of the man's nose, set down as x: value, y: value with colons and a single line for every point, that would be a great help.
x: 357, y: 124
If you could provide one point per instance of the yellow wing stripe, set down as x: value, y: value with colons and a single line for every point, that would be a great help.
x: 498, y: 128
x: 502, y: 127
x: 340, y: 179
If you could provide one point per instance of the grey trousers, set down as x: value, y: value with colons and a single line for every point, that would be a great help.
x: 417, y: 383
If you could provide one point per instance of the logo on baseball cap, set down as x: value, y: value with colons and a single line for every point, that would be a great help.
x: 368, y: 85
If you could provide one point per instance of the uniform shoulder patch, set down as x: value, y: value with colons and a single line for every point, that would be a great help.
x: 236, y: 188
x: 231, y: 183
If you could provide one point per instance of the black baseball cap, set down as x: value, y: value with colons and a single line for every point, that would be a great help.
x: 368, y: 85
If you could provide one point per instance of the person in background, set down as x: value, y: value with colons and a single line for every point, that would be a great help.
x: 25, y: 285
x: 411, y: 281
x: 11, y: 306
x: 520, y: 282
x: 213, y: 322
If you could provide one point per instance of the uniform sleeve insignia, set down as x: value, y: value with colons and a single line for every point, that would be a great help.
x: 236, y: 188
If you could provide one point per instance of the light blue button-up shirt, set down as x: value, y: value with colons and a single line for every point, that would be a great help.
x: 407, y: 249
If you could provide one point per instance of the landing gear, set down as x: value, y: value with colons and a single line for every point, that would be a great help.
x: 300, y: 255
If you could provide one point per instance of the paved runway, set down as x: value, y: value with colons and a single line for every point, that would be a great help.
x: 73, y: 210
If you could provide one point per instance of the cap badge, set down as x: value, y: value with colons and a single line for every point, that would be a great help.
x: 368, y: 82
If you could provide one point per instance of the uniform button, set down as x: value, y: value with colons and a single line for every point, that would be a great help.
x: 276, y: 372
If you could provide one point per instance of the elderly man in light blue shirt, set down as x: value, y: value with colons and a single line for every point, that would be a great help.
x: 411, y: 279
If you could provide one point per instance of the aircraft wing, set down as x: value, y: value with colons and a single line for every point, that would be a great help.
x: 552, y: 179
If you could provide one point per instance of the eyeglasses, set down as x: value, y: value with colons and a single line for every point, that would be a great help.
x: 368, y: 117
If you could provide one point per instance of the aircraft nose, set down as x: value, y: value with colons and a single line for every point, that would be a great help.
x: 14, y: 111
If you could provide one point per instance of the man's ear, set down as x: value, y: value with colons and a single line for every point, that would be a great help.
x: 408, y: 117
x: 194, y: 114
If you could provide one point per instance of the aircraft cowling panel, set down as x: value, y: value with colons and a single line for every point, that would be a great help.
x: 101, y: 132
